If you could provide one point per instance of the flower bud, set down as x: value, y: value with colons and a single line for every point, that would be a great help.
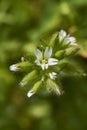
x: 54, y: 39
x: 34, y: 89
x: 60, y: 54
x: 53, y: 86
x: 30, y: 76
x: 20, y: 66
x: 71, y: 50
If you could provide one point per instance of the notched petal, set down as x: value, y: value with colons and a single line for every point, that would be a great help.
x: 52, y: 61
x: 62, y: 35
x: 38, y: 53
x: 48, y: 52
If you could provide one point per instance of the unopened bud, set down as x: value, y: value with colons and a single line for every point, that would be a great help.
x: 20, y: 66
x: 30, y: 76
x: 54, y: 39
x: 53, y: 86
x: 71, y: 50
x: 34, y: 89
x: 60, y: 54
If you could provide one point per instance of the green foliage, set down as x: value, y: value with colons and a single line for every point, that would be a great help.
x: 23, y: 23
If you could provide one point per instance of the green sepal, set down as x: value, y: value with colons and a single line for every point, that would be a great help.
x: 29, y: 77
x: 22, y: 66
x: 60, y: 54
x: 51, y: 85
x: 53, y: 40
x: 71, y: 50
x: 36, y: 86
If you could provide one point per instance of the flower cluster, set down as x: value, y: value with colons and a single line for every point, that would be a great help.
x: 47, y: 65
x: 66, y: 38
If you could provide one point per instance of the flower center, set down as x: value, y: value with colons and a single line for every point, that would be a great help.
x: 44, y: 61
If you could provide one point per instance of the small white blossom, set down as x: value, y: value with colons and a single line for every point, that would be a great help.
x: 13, y: 68
x: 70, y: 40
x: 67, y: 39
x: 43, y: 59
x: 52, y: 75
x: 30, y: 93
x: 62, y: 35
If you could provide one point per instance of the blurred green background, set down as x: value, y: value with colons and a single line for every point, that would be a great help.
x: 22, y: 24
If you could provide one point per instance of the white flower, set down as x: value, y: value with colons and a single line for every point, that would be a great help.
x: 62, y: 35
x: 43, y: 58
x: 70, y: 40
x: 52, y: 75
x: 67, y: 39
x: 13, y: 68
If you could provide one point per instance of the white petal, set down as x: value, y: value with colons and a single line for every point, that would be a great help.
x: 30, y: 93
x: 13, y: 68
x: 37, y: 62
x: 52, y: 75
x: 52, y: 61
x: 38, y: 54
x: 43, y: 66
x: 48, y: 52
x: 46, y: 66
x: 62, y: 35
x: 70, y: 40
